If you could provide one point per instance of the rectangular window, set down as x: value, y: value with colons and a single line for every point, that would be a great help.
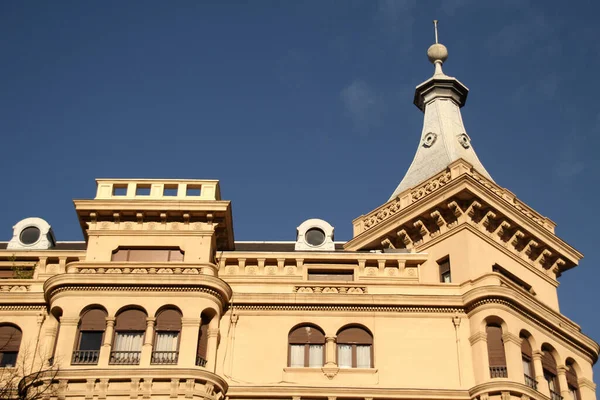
x: 444, y: 266
x: 320, y: 275
x: 90, y: 340
x: 527, y: 367
x: 297, y: 355
x: 363, y: 356
x: 8, y: 359
x: 344, y: 355
x: 148, y: 255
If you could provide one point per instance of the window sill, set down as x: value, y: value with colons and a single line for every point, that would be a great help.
x: 331, y: 371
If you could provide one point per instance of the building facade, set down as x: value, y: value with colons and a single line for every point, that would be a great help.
x: 446, y: 291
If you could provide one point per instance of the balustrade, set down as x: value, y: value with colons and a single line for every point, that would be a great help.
x: 165, y: 357
x: 498, y: 372
x: 125, y: 357
x: 85, y: 357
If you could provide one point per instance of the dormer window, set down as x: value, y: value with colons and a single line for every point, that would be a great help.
x: 32, y: 234
x: 315, y: 234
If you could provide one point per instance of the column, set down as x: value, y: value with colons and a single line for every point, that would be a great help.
x: 211, y: 346
x: 542, y: 385
x: 66, y: 341
x: 148, y: 339
x: 330, y: 343
x: 104, y: 357
x: 481, y: 362
x: 562, y: 381
x: 587, y: 389
x: 514, y: 362
x: 188, y: 342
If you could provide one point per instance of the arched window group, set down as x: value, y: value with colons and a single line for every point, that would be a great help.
x: 306, y: 347
x: 10, y: 342
x: 127, y: 333
x: 549, y: 369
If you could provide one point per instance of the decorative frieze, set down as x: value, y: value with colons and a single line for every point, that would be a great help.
x: 15, y: 288
x: 331, y: 289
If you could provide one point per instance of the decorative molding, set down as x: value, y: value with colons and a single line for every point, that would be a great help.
x: 330, y: 372
x: 71, y: 288
x: 15, y: 288
x: 331, y: 289
x: 371, y: 308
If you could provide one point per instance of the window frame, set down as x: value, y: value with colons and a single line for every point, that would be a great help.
x: 309, y: 342
x: 355, y: 344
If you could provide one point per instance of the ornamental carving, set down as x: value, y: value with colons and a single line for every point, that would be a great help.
x: 141, y: 270
x: 15, y: 288
x: 431, y: 186
x: 331, y: 289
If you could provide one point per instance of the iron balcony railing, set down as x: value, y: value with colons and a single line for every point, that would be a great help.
x: 165, y: 357
x: 555, y: 396
x: 85, y: 357
x: 125, y: 357
x: 200, y: 362
x: 531, y: 382
x: 498, y: 372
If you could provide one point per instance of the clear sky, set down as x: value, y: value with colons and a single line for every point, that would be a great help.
x: 301, y: 109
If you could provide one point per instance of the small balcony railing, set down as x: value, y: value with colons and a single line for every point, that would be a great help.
x: 555, y: 396
x: 125, y: 357
x: 529, y: 381
x: 200, y: 362
x: 85, y: 357
x: 165, y: 357
x: 498, y: 372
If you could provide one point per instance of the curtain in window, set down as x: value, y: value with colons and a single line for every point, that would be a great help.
x: 527, y: 367
x: 128, y: 341
x: 363, y: 356
x: 344, y: 355
x: 573, y: 393
x: 297, y: 355
x: 166, y: 341
x: 315, y: 355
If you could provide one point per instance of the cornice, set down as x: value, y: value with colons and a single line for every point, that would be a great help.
x: 287, y: 391
x: 499, y: 386
x: 129, y: 204
x: 143, y: 373
x: 138, y: 282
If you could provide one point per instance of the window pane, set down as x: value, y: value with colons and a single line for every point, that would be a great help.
x: 90, y: 340
x: 128, y: 341
x: 8, y: 359
x: 166, y: 341
x: 315, y: 356
x: 344, y: 355
x: 527, y: 368
x: 297, y: 355
x: 363, y: 356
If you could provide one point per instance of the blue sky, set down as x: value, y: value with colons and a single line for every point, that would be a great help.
x: 300, y: 109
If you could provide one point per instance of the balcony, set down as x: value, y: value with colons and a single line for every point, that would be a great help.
x: 531, y: 382
x: 165, y: 357
x: 555, y: 396
x: 498, y: 372
x: 89, y: 357
x: 125, y: 357
x: 200, y: 362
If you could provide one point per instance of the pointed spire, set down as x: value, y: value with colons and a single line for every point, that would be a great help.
x: 444, y: 138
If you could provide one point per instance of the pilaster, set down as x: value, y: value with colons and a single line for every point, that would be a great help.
x: 66, y: 341
x: 104, y: 357
x: 512, y: 350
x: 146, y: 354
x: 481, y: 363
x: 188, y: 342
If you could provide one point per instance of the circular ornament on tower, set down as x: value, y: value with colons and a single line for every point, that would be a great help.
x: 429, y: 139
x: 464, y: 140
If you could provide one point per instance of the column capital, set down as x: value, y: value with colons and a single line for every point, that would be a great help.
x: 478, y: 337
x: 511, y: 338
x: 110, y: 321
x: 537, y: 354
x: 212, y: 332
x: 561, y: 369
x: 330, y: 339
x: 191, y: 322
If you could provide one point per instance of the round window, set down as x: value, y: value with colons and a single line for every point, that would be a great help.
x: 30, y: 235
x: 315, y: 237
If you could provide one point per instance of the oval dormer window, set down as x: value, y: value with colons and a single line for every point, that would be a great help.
x: 315, y: 236
x: 30, y: 235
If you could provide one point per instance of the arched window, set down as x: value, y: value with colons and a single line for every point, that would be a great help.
x: 496, y: 354
x: 202, y: 347
x: 10, y: 341
x: 129, y: 337
x: 572, y: 380
x: 354, y: 348
x: 90, y: 333
x: 527, y: 357
x: 306, y: 344
x: 550, y: 373
x: 166, y: 337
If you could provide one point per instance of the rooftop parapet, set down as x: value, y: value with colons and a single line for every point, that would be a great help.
x: 157, y: 189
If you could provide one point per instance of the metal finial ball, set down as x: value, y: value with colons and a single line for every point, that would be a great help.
x: 437, y: 52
